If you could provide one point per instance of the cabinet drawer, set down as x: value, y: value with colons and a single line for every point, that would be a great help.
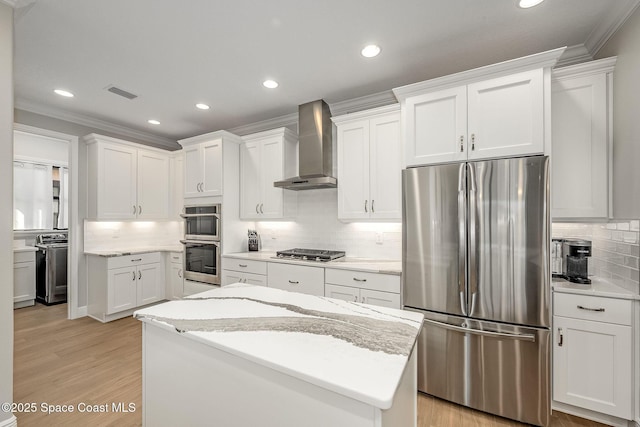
x: 609, y: 310
x: 175, y: 257
x: 364, y: 280
x: 229, y: 277
x: 245, y: 265
x: 29, y: 256
x: 133, y: 260
x: 296, y: 278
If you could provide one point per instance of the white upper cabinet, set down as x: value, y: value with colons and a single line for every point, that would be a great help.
x: 369, y: 164
x: 490, y: 112
x: 581, y: 135
x: 267, y: 157
x: 126, y: 182
x: 203, y: 169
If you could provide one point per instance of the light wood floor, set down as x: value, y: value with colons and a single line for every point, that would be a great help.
x: 59, y: 361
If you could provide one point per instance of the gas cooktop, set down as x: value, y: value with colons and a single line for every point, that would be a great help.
x: 310, y: 254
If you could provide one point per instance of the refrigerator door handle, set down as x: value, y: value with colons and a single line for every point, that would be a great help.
x: 521, y: 337
x: 462, y: 235
x: 473, y: 260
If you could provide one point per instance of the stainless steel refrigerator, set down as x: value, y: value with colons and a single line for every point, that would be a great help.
x: 476, y: 264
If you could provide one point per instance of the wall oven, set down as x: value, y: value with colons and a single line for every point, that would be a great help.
x: 202, y: 243
x: 202, y: 222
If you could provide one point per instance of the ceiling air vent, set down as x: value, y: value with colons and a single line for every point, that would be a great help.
x: 121, y: 92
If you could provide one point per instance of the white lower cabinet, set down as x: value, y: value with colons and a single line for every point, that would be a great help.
x: 243, y: 271
x: 24, y: 279
x: 368, y: 288
x: 175, y: 276
x: 117, y: 285
x: 592, y: 354
x: 296, y: 278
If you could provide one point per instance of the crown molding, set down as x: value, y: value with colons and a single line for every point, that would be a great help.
x: 366, y: 114
x: 228, y: 136
x: 367, y: 102
x: 81, y: 119
x: 288, y: 120
x: 598, y: 66
x: 574, y: 55
x: 608, y: 25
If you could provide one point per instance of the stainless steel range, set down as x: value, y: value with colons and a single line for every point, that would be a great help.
x: 310, y: 254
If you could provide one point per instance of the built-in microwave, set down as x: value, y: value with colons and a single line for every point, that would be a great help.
x: 202, y: 222
x: 202, y: 261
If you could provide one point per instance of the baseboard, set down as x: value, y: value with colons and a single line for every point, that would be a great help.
x: 81, y: 311
x: 11, y: 422
x: 591, y: 415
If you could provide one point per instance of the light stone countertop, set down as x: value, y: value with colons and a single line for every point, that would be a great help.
x: 24, y: 249
x: 599, y: 287
x: 356, y: 350
x: 135, y: 250
x: 346, y: 263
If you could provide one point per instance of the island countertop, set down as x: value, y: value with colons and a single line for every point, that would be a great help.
x: 356, y: 350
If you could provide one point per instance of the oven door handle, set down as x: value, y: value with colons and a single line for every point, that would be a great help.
x: 200, y: 215
x: 206, y: 242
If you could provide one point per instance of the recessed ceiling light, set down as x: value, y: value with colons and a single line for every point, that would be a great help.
x: 525, y: 4
x: 153, y: 122
x: 202, y: 106
x: 370, y: 51
x: 64, y: 93
x: 271, y: 84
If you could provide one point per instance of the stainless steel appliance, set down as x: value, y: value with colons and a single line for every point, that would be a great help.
x: 575, y: 262
x: 556, y: 258
x: 51, y: 268
x: 202, y: 226
x: 476, y: 264
x: 310, y: 254
x: 202, y: 222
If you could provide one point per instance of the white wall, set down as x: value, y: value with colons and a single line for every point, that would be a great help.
x: 6, y: 208
x: 625, y: 44
x: 38, y: 147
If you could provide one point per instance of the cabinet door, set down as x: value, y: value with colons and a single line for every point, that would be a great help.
x: 24, y: 281
x: 150, y: 284
x: 383, y: 299
x: 271, y: 170
x: 506, y: 116
x: 212, y: 170
x: 385, y: 173
x: 153, y: 185
x: 345, y: 293
x: 117, y: 198
x: 250, y: 180
x: 121, y: 289
x: 579, y: 151
x: 436, y: 127
x: 592, y: 365
x: 176, y: 284
x: 192, y: 174
x: 229, y: 277
x: 177, y: 187
x: 353, y: 170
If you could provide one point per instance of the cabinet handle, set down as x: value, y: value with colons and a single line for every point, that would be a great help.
x: 242, y: 265
x: 134, y: 275
x: 175, y: 257
x: 462, y: 143
x: 293, y: 282
x: 139, y: 210
x: 359, y: 280
x: 257, y: 204
x: 372, y: 206
x: 364, y: 300
x: 180, y: 273
x: 560, y: 337
x: 355, y: 299
x: 136, y: 260
x: 365, y: 206
x: 473, y: 142
x: 261, y: 205
x: 601, y: 310
x: 134, y: 209
x: 139, y: 275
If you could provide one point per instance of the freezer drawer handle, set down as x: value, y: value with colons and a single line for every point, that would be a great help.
x: 560, y: 337
x: 601, y: 310
x: 523, y: 337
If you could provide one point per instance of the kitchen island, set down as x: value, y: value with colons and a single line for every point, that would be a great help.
x: 250, y: 355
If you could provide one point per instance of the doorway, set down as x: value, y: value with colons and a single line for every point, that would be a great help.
x: 65, y: 217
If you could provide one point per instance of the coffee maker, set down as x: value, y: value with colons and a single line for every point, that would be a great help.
x: 575, y: 265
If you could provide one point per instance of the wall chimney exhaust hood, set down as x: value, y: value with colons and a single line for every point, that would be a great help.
x: 315, y: 161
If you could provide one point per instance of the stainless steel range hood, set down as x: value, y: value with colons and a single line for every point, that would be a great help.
x: 315, y: 161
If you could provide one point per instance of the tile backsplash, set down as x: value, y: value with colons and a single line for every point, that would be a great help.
x: 615, y: 249
x: 107, y: 235
x: 316, y: 227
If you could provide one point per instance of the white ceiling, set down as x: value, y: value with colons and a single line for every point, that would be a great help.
x: 174, y: 53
